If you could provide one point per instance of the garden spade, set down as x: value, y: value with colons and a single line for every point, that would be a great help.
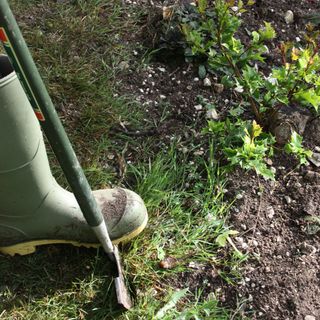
x: 22, y: 62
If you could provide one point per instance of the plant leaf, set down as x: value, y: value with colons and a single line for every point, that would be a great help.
x: 267, y: 33
x: 202, y: 71
x: 222, y: 238
x: 256, y: 129
x: 176, y: 296
x: 202, y: 6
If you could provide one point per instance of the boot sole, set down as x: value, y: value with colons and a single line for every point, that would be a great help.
x: 28, y: 247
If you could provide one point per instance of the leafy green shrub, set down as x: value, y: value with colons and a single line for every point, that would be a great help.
x: 213, y: 43
x: 210, y: 33
x: 244, y: 144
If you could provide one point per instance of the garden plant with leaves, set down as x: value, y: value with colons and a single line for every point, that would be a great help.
x: 210, y: 32
x: 212, y: 42
x: 243, y: 143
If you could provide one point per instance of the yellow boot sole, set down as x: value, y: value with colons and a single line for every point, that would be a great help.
x: 29, y: 247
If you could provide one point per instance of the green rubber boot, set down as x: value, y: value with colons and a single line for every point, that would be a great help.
x: 34, y: 209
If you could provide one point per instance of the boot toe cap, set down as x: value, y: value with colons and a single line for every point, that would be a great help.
x: 124, y: 212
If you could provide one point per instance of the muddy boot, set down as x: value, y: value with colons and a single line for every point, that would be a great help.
x: 34, y: 209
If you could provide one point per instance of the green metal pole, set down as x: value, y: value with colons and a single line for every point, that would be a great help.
x: 36, y: 91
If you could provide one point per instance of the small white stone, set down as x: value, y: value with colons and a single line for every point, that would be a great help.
x: 207, y: 82
x: 270, y: 212
x: 212, y: 114
x: 196, y: 79
x: 308, y: 317
x: 298, y: 39
x: 238, y: 89
x: 198, y: 107
x: 239, y: 196
x: 198, y: 153
x: 244, y: 246
x: 269, y: 162
x: 162, y: 96
x: 161, y: 69
x: 289, y: 17
x: 243, y: 227
x: 315, y: 159
x: 288, y: 199
x: 239, y: 239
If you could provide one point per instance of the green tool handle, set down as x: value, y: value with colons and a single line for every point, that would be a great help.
x: 39, y: 98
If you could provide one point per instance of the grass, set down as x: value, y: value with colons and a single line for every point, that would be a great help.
x: 77, y: 46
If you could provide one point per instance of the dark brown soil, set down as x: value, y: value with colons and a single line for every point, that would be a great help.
x: 281, y: 276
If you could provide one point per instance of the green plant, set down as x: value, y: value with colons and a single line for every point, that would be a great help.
x: 243, y: 143
x: 252, y: 153
x: 295, y: 147
x: 211, y: 36
x: 299, y: 75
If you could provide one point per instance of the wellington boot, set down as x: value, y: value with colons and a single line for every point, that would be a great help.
x: 34, y: 209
